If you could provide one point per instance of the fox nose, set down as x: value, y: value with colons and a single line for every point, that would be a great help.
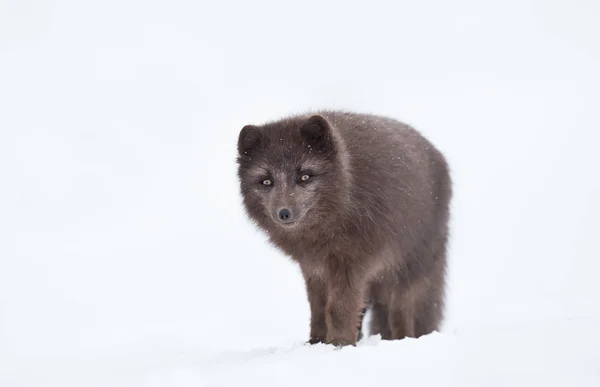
x: 285, y: 215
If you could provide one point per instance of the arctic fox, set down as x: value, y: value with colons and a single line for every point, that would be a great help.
x: 361, y: 203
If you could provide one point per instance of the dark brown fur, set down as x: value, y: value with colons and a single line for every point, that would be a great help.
x: 371, y: 221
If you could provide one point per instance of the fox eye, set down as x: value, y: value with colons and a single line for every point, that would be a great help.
x: 267, y: 182
x: 304, y: 177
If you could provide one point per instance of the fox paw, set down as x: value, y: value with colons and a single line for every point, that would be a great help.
x: 316, y: 340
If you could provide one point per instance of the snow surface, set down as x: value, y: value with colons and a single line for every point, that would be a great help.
x: 125, y: 258
x: 514, y: 356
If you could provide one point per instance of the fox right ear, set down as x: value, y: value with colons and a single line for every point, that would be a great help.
x: 248, y: 139
x: 317, y: 132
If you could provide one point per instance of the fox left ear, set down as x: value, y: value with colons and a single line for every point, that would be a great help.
x: 317, y: 133
x: 248, y: 139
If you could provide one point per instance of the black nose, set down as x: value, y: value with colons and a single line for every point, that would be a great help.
x: 285, y: 214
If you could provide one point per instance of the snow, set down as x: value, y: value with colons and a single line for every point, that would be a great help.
x: 462, y: 359
x: 125, y: 258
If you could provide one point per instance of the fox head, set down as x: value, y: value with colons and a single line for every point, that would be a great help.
x: 289, y: 172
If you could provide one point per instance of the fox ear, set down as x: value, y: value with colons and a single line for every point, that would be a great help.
x: 248, y: 139
x: 317, y: 133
